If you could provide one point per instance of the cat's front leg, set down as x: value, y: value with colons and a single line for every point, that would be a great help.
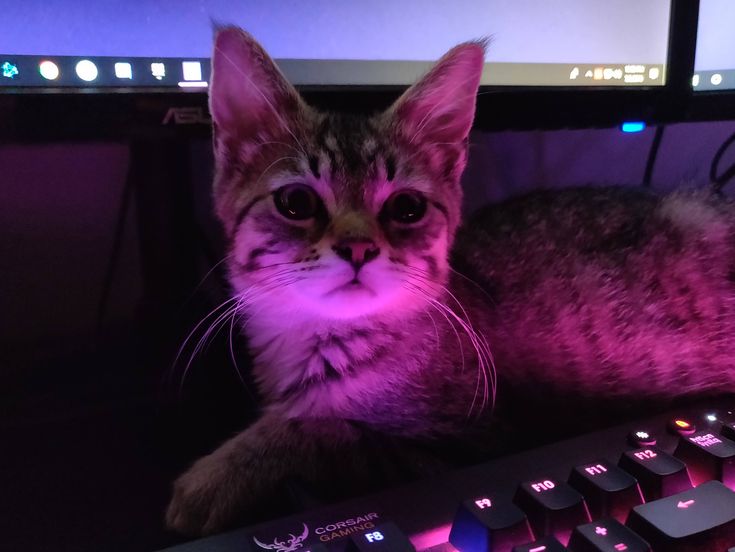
x: 229, y: 482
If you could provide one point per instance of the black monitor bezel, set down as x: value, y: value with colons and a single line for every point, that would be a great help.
x: 120, y: 115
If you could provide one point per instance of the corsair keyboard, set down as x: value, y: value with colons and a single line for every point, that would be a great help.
x: 663, y: 484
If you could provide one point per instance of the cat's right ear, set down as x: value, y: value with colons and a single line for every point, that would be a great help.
x: 249, y: 99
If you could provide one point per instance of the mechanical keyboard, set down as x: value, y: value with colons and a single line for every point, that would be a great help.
x: 663, y: 484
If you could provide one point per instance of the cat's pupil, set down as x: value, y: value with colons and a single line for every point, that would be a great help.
x: 407, y: 207
x: 296, y: 201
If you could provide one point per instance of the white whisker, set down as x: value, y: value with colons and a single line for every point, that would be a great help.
x: 487, y: 373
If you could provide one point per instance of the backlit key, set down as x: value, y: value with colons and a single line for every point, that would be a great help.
x: 658, y: 474
x: 483, y: 524
x: 385, y: 537
x: 606, y: 535
x: 728, y: 430
x: 553, y: 507
x: 708, y: 457
x: 547, y: 544
x: 698, y: 520
x: 608, y: 490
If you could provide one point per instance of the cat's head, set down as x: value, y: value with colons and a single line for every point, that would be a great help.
x: 331, y: 214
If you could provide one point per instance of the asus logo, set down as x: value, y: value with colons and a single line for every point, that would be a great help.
x: 187, y: 116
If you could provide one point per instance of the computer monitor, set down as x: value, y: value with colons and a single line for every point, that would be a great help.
x: 149, y: 44
x: 714, y: 62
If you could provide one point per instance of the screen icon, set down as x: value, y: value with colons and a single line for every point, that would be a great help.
x: 192, y: 70
x: 574, y: 73
x: 123, y: 70
x: 158, y: 70
x: 716, y: 79
x: 9, y: 70
x: 49, y: 70
x: 86, y: 70
x: 695, y: 80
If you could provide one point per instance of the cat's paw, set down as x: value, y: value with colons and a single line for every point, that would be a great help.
x: 207, y: 497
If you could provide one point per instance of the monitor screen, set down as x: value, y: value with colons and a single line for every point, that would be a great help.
x: 166, y: 44
x: 714, y: 62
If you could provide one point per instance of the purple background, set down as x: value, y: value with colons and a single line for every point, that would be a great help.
x: 715, y: 35
x: 562, y: 31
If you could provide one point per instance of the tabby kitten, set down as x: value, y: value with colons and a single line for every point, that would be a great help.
x: 340, y: 230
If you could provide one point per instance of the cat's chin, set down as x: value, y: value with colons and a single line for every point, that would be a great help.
x: 357, y: 300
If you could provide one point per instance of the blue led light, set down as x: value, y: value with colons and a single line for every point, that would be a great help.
x: 633, y: 126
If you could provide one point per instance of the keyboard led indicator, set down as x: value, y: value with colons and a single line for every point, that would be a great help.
x: 537, y: 549
x: 620, y: 546
x: 681, y: 426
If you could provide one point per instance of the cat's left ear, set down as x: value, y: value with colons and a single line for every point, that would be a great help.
x: 440, y: 108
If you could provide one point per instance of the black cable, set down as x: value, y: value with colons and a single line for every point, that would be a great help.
x: 652, y: 154
x: 122, y: 216
x: 720, y: 181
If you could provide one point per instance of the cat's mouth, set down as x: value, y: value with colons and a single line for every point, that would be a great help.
x: 353, y: 286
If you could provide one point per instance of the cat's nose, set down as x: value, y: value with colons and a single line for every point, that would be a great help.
x: 357, y: 251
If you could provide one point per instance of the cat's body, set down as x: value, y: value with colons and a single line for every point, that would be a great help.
x: 361, y: 333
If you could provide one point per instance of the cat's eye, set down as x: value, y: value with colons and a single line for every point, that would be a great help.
x: 297, y: 201
x: 405, y: 207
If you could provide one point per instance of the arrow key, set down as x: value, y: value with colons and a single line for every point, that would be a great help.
x: 699, y: 519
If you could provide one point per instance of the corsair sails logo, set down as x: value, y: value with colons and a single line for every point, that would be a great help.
x: 293, y: 543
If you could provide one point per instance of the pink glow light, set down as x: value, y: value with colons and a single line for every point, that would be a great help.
x: 432, y: 537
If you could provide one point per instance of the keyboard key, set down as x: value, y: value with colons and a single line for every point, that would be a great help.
x: 728, y: 430
x: 708, y: 457
x: 700, y: 519
x: 317, y: 547
x: 606, y: 535
x: 547, y: 544
x: 385, y: 537
x: 483, y: 525
x: 608, y: 490
x: 553, y: 507
x: 658, y: 474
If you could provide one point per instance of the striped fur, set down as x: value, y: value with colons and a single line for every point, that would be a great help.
x: 588, y: 296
